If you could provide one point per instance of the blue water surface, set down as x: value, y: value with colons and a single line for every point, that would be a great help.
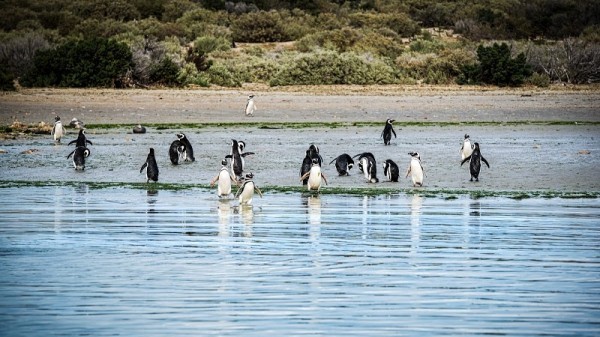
x: 128, y: 262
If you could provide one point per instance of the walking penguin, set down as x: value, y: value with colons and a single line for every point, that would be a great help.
x: 314, y: 177
x: 250, y: 106
x: 79, y: 155
x: 151, y: 167
x: 387, y: 132
x: 246, y: 191
x: 415, y: 169
x: 224, y: 180
x: 475, y: 160
x: 58, y: 130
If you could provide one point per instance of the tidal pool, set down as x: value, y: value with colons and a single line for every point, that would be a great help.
x: 77, y: 260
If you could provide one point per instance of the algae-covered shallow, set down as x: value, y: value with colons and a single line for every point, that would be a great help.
x: 102, y: 260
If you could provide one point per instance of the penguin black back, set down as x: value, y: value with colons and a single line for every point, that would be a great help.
x: 368, y: 166
x: 391, y: 170
x: 151, y: 167
x: 387, y: 132
x: 175, y: 151
x: 343, y: 164
x: 81, y: 139
x: 306, y: 165
x: 475, y: 160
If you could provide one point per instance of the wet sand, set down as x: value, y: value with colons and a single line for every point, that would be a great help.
x: 523, y: 157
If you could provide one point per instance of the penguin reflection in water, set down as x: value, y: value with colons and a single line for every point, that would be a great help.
x: 151, y: 167
x: 415, y: 169
x: 387, y: 132
x: 79, y: 155
x: 58, y: 130
x: 223, y: 180
x: 314, y: 177
x: 246, y: 192
x: 343, y: 164
x: 181, y: 149
x: 475, y: 160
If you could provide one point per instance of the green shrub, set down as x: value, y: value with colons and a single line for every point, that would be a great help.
x: 539, y: 80
x: 260, y: 27
x: 95, y: 62
x: 218, y: 74
x: 333, y: 68
x: 496, y: 66
x: 165, y: 72
x: 205, y: 45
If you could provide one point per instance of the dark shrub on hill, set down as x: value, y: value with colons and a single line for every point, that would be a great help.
x: 260, y: 27
x: 95, y: 62
x: 496, y: 66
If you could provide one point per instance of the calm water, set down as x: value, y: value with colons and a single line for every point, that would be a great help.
x: 117, y: 261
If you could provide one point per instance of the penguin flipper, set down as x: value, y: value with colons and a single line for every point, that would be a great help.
x: 143, y: 166
x: 467, y: 159
x: 394, y: 132
x: 247, y: 154
x: 72, y: 142
x: 485, y: 161
x: 324, y: 179
x: 334, y: 159
x: 228, y: 156
x: 258, y: 191
x: 88, y: 141
x: 305, y: 175
x: 70, y: 154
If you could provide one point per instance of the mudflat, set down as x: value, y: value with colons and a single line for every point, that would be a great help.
x: 534, y: 139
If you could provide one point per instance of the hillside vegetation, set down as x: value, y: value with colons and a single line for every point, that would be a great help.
x: 124, y: 43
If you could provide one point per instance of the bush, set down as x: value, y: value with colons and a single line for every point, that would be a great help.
x: 539, y: 80
x: 95, y: 62
x: 6, y: 79
x: 17, y: 53
x: 260, y: 27
x: 333, y: 68
x: 218, y: 74
x: 496, y: 66
x: 165, y: 72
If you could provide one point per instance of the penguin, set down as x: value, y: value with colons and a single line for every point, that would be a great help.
x: 79, y: 155
x: 391, y: 171
x: 466, y: 149
x: 176, y: 151
x: 343, y: 164
x: 139, y: 129
x: 81, y: 140
x: 246, y: 192
x: 76, y: 123
x: 58, y: 130
x: 314, y: 177
x: 307, y: 162
x: 151, y: 167
x: 237, y: 157
x: 415, y: 169
x: 224, y: 178
x: 475, y: 162
x: 368, y: 166
x: 250, y: 106
x: 387, y: 132
x: 188, y: 152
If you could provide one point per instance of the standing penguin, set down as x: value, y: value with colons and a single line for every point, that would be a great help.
x: 246, y: 192
x: 415, y: 169
x: 151, y: 167
x: 237, y: 157
x: 224, y: 178
x: 176, y: 151
x: 311, y: 153
x: 387, y: 132
x: 475, y: 162
x: 81, y: 140
x: 250, y: 106
x: 79, y: 155
x: 343, y: 164
x: 368, y: 166
x: 314, y: 177
x: 391, y: 171
x: 188, y: 152
x: 58, y: 130
x: 466, y: 149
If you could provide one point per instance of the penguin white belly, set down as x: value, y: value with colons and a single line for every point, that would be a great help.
x: 416, y: 172
x: 250, y: 108
x: 314, y: 178
x: 466, y: 150
x: 247, y: 194
x: 224, y: 187
x: 365, y: 167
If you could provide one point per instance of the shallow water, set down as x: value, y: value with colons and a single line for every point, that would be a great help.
x: 119, y: 261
